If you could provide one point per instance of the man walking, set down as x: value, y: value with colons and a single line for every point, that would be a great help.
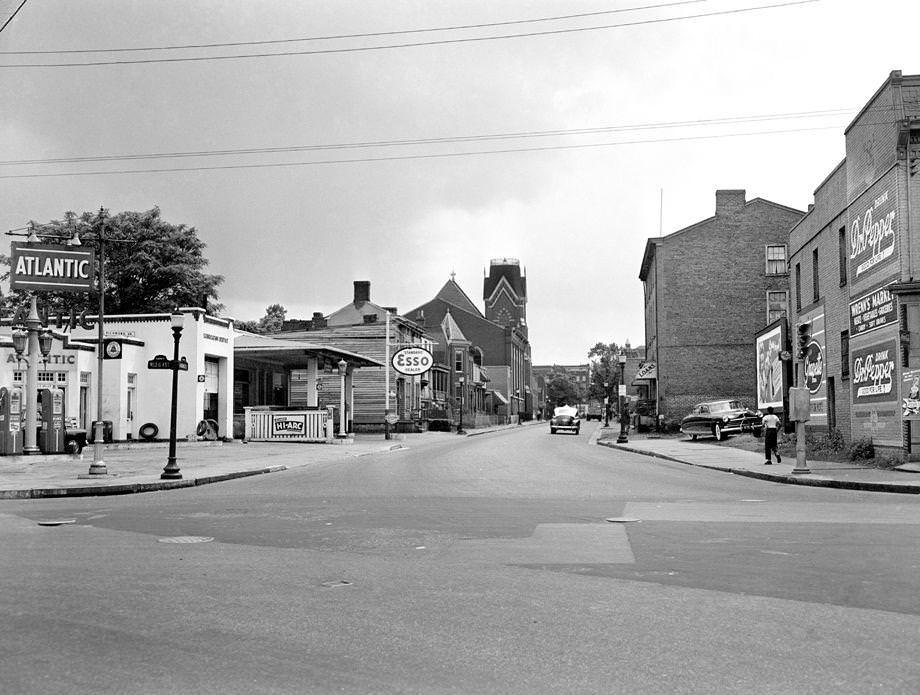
x: 770, y: 435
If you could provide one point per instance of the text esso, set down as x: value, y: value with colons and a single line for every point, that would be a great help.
x: 412, y: 361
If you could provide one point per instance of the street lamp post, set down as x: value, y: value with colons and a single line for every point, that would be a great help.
x: 30, y: 340
x: 606, y: 404
x: 343, y: 368
x: 171, y: 471
x: 460, y: 430
x: 624, y: 404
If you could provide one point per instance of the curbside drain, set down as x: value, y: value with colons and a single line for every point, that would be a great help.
x: 336, y: 582
x: 185, y: 539
x: 57, y: 522
x: 622, y: 520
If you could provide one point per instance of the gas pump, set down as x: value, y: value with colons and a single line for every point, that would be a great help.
x: 10, y: 417
x: 51, y: 435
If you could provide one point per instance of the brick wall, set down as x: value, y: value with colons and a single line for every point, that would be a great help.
x: 712, y: 287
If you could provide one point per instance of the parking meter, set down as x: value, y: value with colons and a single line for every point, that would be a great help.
x: 51, y: 435
x: 10, y: 430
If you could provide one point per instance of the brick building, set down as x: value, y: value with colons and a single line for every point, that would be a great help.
x: 708, y: 289
x: 855, y: 260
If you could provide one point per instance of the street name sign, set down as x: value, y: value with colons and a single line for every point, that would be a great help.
x: 163, y: 362
x: 51, y: 267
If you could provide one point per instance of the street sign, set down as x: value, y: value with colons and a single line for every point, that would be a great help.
x: 51, y: 267
x: 162, y: 362
x: 412, y: 361
x: 111, y: 349
x: 391, y: 418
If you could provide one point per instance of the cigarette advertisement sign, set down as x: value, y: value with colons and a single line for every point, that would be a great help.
x: 50, y: 267
x: 771, y: 382
x: 875, y: 309
x: 873, y: 230
x: 873, y: 373
x: 910, y: 394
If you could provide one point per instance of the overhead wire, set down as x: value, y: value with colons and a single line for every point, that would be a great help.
x: 331, y: 37
x: 440, y: 155
x: 436, y: 42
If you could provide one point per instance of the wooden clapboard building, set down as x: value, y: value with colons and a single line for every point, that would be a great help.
x: 361, y: 327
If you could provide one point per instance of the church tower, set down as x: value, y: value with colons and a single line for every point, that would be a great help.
x: 505, y: 293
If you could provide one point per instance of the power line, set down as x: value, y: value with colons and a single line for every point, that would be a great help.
x: 15, y: 12
x: 357, y: 36
x: 545, y: 148
x: 437, y: 140
x: 439, y: 42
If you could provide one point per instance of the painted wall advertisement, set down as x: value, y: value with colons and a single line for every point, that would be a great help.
x: 874, y: 376
x: 815, y: 368
x: 910, y: 394
x: 873, y: 230
x: 875, y: 309
x: 771, y: 372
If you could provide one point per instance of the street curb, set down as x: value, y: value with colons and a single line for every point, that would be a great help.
x: 865, y: 486
x: 130, y: 488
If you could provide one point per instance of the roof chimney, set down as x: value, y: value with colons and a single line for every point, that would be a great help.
x: 362, y: 291
x: 730, y: 201
x: 319, y: 320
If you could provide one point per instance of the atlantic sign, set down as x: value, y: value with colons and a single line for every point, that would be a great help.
x: 49, y: 267
x: 412, y: 361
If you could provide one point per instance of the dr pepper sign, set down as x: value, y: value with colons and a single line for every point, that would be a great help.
x: 412, y: 361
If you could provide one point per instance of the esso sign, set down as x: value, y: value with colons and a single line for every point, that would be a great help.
x: 412, y: 361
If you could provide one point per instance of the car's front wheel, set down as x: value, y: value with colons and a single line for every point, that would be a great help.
x: 717, y: 432
x: 693, y: 437
x: 552, y: 430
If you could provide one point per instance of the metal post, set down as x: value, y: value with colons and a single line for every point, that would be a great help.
x: 801, y: 466
x: 460, y: 424
x: 31, y: 396
x: 624, y: 407
x: 171, y: 471
x: 97, y: 467
x: 342, y: 427
x: 386, y: 381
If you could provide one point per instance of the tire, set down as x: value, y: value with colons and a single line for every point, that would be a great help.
x: 717, y: 432
x: 148, y: 431
x: 577, y: 430
x: 693, y: 437
x: 552, y: 430
x: 202, y: 428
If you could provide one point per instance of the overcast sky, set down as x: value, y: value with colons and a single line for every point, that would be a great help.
x: 575, y: 207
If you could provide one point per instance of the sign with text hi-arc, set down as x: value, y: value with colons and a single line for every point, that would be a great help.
x: 51, y: 267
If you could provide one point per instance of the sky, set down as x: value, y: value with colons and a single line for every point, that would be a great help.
x: 562, y: 134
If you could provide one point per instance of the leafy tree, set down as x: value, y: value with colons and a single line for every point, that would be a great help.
x: 605, y: 368
x: 561, y: 391
x: 151, y: 266
x: 273, y: 319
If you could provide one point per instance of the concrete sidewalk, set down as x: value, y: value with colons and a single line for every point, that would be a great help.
x: 136, y: 467
x: 751, y: 464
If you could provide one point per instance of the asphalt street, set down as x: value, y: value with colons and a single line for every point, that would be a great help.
x: 514, y: 562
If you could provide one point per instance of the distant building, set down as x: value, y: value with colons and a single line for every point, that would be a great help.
x: 708, y: 289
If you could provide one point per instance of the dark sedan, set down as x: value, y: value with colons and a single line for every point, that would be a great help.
x: 719, y: 418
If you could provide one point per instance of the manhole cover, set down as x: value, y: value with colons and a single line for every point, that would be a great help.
x: 622, y: 520
x: 185, y: 539
x: 56, y: 522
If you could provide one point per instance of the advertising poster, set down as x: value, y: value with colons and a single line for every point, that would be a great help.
x: 873, y: 310
x: 814, y: 367
x: 289, y: 425
x: 770, y: 368
x: 910, y: 394
x: 873, y: 230
x: 873, y: 373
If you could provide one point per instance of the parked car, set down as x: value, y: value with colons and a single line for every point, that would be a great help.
x: 595, y: 411
x: 565, y: 418
x: 719, y: 418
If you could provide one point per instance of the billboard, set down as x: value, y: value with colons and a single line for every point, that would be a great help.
x: 771, y: 369
x: 51, y: 267
x: 873, y: 229
x: 873, y: 310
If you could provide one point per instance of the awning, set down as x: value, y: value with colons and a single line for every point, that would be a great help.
x: 500, y: 397
x: 294, y: 353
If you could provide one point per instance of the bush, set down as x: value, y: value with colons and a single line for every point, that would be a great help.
x: 861, y: 449
x: 830, y: 442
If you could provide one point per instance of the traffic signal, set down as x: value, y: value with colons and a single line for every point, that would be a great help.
x: 804, y: 338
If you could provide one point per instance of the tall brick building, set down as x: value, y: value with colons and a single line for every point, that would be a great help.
x: 708, y: 289
x: 855, y: 261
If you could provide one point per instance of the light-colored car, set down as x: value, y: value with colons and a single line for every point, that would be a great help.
x: 719, y: 418
x: 565, y: 419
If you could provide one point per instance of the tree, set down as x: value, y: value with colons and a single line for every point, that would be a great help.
x: 605, y: 368
x: 561, y: 391
x: 151, y: 266
x: 273, y: 319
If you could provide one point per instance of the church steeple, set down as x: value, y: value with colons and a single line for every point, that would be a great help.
x: 505, y: 293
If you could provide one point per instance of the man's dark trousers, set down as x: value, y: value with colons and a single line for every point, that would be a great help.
x: 769, y: 442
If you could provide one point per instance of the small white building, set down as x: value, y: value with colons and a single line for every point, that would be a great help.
x: 132, y: 394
